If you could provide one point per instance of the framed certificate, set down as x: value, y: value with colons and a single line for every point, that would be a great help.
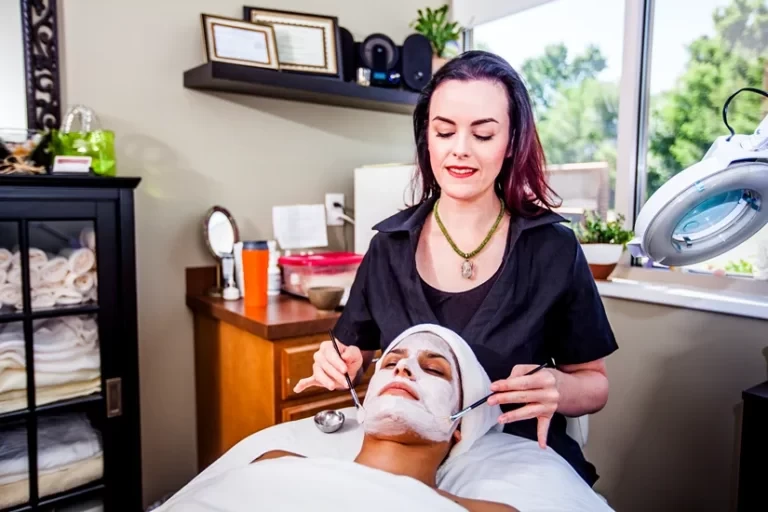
x: 306, y: 43
x: 239, y: 42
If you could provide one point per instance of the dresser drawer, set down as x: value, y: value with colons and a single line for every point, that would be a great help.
x: 296, y: 363
x: 298, y: 412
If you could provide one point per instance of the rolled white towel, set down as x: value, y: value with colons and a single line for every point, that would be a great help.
x: 68, y: 297
x: 93, y: 295
x: 10, y: 294
x: 3, y: 275
x: 81, y: 261
x: 46, y: 289
x: 55, y: 270
x: 34, y: 277
x: 88, y: 238
x: 6, y: 258
x: 13, y: 276
x: 37, y: 258
x: 81, y: 283
x: 43, y: 302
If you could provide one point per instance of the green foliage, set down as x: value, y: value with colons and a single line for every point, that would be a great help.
x: 687, y: 119
x: 594, y: 230
x: 552, y: 73
x: 434, y: 25
x: 740, y: 267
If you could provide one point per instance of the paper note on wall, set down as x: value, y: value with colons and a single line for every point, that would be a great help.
x: 300, y: 226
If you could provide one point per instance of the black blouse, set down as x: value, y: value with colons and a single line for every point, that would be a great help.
x: 542, y: 305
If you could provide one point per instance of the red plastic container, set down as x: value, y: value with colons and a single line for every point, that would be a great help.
x: 300, y: 273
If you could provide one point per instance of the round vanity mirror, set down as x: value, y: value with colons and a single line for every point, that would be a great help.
x: 220, y: 232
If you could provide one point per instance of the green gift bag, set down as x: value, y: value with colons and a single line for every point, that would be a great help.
x: 90, y: 141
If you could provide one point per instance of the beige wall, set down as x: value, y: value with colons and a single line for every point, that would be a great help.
x: 668, y: 438
x: 126, y: 60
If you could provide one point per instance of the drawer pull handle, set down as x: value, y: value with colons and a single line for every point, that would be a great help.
x: 114, y: 397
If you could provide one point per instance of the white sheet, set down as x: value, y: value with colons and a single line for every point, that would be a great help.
x: 317, y: 484
x: 499, y: 467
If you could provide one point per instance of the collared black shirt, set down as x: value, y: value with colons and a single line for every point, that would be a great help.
x: 543, y: 305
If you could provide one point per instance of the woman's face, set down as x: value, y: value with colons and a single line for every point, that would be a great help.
x: 468, y: 136
x: 414, y: 390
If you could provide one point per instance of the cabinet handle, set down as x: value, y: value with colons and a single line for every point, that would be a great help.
x: 114, y: 397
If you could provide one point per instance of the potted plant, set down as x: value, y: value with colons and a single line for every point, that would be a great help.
x: 603, y: 242
x: 434, y: 25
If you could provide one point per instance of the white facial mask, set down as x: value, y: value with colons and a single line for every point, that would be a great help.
x: 426, y: 417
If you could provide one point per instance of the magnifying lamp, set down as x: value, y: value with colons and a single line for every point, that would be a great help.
x: 711, y: 207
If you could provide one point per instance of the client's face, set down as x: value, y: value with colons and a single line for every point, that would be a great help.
x: 415, y: 390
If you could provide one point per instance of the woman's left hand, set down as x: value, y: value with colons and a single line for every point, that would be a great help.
x: 540, y: 392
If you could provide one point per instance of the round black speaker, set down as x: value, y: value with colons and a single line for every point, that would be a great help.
x: 379, y: 52
x: 416, y: 61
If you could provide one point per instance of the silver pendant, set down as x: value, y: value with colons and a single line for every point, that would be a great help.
x: 466, y: 269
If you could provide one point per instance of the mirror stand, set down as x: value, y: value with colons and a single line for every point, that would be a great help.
x: 216, y: 290
x: 220, y: 233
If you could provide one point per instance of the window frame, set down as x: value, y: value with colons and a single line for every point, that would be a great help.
x: 631, y: 156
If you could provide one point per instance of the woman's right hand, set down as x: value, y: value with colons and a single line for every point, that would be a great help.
x: 328, y: 369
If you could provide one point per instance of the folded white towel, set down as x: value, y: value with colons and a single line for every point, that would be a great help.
x: 85, y: 361
x: 14, y: 379
x: 61, y: 440
x: 17, y: 399
x: 475, y: 384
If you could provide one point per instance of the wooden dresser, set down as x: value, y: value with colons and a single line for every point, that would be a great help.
x: 247, y: 362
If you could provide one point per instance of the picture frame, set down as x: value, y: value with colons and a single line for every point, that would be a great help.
x: 306, y: 43
x: 239, y: 42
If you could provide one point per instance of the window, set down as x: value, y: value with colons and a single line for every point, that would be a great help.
x: 570, y: 52
x: 694, y: 67
x: 570, y: 59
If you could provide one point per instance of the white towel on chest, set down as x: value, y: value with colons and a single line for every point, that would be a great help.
x: 475, y: 383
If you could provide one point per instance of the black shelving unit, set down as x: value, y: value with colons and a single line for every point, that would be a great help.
x: 233, y: 78
x: 90, y: 334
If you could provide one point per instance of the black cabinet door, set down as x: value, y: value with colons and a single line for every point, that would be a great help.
x: 74, y: 309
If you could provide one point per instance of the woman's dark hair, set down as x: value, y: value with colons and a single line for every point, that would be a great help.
x: 522, y: 182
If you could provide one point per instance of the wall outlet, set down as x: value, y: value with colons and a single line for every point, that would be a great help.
x: 333, y: 213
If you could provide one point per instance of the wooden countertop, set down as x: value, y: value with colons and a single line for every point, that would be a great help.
x: 284, y: 317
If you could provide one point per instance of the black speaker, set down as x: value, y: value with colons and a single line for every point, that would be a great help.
x: 416, y: 61
x: 381, y: 56
x: 349, y: 55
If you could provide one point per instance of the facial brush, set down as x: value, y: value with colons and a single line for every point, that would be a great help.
x: 480, y: 402
x: 358, y: 405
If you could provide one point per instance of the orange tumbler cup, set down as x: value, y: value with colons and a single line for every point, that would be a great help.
x: 255, y: 273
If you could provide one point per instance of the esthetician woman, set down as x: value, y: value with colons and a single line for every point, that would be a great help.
x: 483, y: 254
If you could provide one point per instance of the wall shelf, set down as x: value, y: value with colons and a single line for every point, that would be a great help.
x: 233, y: 78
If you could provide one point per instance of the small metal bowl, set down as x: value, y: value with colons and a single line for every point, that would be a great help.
x: 329, y: 421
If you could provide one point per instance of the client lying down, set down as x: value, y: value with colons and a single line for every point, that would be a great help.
x: 419, y: 382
